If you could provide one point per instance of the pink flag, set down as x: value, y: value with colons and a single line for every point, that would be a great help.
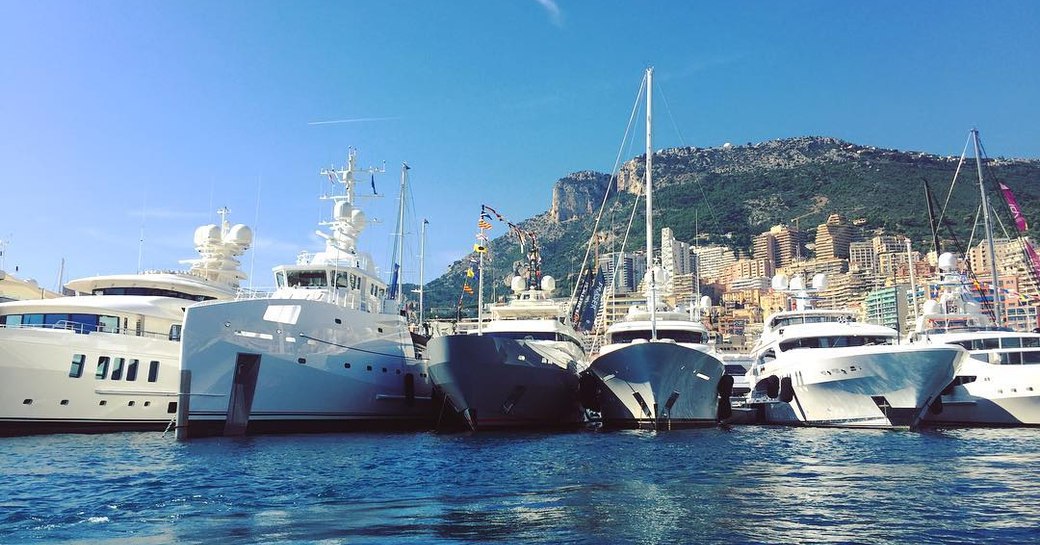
x: 1016, y: 212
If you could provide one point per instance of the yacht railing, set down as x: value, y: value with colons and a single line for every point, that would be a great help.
x: 339, y: 297
x: 87, y: 329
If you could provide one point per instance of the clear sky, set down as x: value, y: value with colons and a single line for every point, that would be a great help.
x: 123, y: 117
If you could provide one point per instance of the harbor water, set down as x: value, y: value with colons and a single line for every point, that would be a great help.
x: 739, y: 485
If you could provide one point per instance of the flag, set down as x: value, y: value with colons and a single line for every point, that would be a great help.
x: 467, y: 289
x: 373, y: 180
x: 1016, y: 211
x: 470, y: 273
x: 483, y: 224
x: 482, y: 237
x: 480, y: 248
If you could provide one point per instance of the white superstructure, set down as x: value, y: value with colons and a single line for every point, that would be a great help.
x: 109, y: 359
x: 823, y: 368
x: 1000, y: 383
x: 328, y: 350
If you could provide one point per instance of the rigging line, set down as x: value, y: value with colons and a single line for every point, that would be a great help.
x: 611, y: 180
x: 960, y: 164
x: 308, y: 337
x: 682, y: 141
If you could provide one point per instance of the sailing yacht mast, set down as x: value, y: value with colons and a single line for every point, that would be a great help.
x: 995, y: 286
x: 422, y: 266
x: 651, y: 299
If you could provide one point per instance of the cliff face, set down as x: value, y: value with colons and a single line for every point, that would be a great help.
x: 578, y: 194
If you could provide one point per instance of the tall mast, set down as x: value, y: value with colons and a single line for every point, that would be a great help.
x: 652, y: 295
x: 398, y: 255
x: 995, y: 286
x: 422, y: 266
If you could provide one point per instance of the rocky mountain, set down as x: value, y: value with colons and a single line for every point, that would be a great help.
x: 729, y: 194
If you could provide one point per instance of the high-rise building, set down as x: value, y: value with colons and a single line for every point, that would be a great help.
x: 712, y: 262
x: 833, y: 238
x: 630, y: 268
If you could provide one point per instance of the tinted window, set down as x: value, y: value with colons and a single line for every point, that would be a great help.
x: 76, y: 370
x: 153, y: 371
x: 131, y: 370
x: 117, y: 369
x: 102, y: 368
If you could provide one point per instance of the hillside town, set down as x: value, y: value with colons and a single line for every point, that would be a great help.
x: 867, y: 270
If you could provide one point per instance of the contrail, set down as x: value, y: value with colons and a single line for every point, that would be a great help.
x: 356, y: 120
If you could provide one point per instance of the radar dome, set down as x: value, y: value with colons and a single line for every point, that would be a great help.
x: 207, y: 234
x: 341, y: 211
x: 797, y: 283
x: 780, y: 282
x: 947, y: 262
x: 931, y: 306
x: 727, y: 146
x: 517, y: 284
x: 819, y: 281
x: 239, y: 234
x: 357, y: 217
x: 548, y: 283
x: 705, y: 301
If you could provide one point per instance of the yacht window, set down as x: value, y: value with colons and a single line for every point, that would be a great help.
x: 986, y: 344
x: 307, y: 279
x: 154, y: 292
x: 355, y: 282
x: 131, y: 371
x: 59, y: 320
x: 1030, y: 342
x: 117, y: 369
x: 342, y: 280
x: 1011, y: 342
x: 1031, y: 357
x: 102, y: 368
x: 83, y: 323
x: 76, y: 370
x: 11, y: 320
x: 678, y: 335
x: 735, y: 369
x: 768, y: 355
x: 32, y: 319
x: 153, y: 371
x: 279, y: 279
x: 175, y: 332
x: 108, y: 324
x: 833, y: 342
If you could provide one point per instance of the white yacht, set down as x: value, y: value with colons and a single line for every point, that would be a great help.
x: 656, y: 370
x: 999, y: 385
x: 820, y: 367
x: 329, y: 350
x: 518, y: 370
x: 109, y: 360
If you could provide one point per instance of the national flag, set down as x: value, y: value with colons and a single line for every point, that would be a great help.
x: 480, y: 248
x: 467, y: 289
x: 470, y: 273
x: 483, y: 224
x: 373, y: 180
x: 482, y: 237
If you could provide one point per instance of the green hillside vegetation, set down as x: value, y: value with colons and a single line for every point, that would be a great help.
x: 729, y: 196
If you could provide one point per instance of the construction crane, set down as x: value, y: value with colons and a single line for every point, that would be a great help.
x: 798, y: 243
x: 795, y: 220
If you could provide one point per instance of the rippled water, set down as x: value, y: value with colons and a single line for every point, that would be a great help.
x: 741, y: 485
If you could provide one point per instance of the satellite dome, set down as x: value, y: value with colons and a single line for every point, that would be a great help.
x: 931, y: 306
x: 548, y: 283
x: 780, y: 282
x: 517, y: 284
x: 797, y: 283
x: 239, y: 234
x: 207, y: 234
x: 705, y: 301
x: 819, y: 281
x: 341, y: 211
x: 727, y: 146
x: 947, y: 262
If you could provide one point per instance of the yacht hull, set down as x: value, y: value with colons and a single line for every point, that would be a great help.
x: 38, y: 393
x: 486, y: 383
x: 300, y: 366
x: 655, y: 385
x: 997, y: 395
x: 858, y: 387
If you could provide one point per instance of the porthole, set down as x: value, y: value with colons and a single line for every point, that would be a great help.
x: 64, y: 402
x: 147, y: 403
x: 103, y: 402
x: 346, y: 366
x: 26, y: 402
x: 380, y: 329
x: 398, y: 371
x: 369, y: 367
x: 130, y: 403
x: 338, y: 321
x: 384, y: 369
x: 301, y: 361
x: 171, y: 407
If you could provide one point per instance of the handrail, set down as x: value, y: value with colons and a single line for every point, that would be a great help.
x: 87, y: 329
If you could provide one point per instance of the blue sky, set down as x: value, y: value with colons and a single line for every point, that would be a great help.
x: 123, y: 117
